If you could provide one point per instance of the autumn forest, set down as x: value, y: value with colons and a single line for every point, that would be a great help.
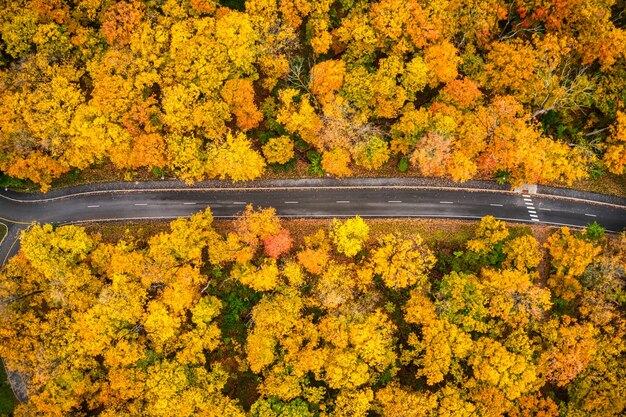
x: 521, y: 90
x: 265, y: 317
x: 249, y: 320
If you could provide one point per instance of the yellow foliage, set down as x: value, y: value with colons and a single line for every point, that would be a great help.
x: 489, y: 233
x: 353, y: 403
x: 570, y: 256
x: 299, y: 118
x: 395, y: 401
x: 615, y: 154
x: 234, y: 158
x: 522, y: 253
x: 371, y: 154
x: 402, y: 262
x: 511, y: 374
x: 260, y: 278
x: 349, y: 236
x: 278, y: 150
x: 336, y: 162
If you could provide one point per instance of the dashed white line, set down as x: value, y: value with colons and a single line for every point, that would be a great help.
x: 189, y: 204
x: 394, y: 201
x: 545, y: 209
x: 239, y: 202
x: 291, y: 202
x: 446, y: 202
x: 141, y: 204
x: 342, y: 202
x: 96, y: 206
x: 590, y: 215
x: 496, y: 205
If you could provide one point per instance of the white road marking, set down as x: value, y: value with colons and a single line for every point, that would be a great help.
x: 535, y: 220
x: 590, y: 215
x: 291, y: 202
x: 532, y: 211
x: 394, y: 201
x: 93, y: 206
x: 544, y: 209
x: 342, y: 202
x: 528, y: 203
x: 446, y: 202
x: 239, y: 202
x: 141, y: 204
x: 530, y: 207
x: 527, y: 199
x: 189, y: 204
x: 297, y: 188
x: 533, y: 215
x: 526, y: 195
x: 496, y: 205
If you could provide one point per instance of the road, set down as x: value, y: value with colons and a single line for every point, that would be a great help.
x: 17, y: 211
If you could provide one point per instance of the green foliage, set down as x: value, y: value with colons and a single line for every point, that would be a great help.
x: 403, y: 165
x: 315, y: 159
x: 158, y: 172
x: 502, y: 177
x: 594, y: 231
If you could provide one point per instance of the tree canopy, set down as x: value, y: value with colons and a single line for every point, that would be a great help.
x: 206, y: 88
x: 245, y: 320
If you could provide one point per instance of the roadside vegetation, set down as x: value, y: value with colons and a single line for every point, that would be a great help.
x: 520, y: 91
x: 263, y: 318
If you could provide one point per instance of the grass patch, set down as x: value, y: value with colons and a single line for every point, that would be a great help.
x: 7, y: 399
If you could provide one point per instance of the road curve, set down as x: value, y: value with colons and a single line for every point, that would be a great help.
x: 17, y: 211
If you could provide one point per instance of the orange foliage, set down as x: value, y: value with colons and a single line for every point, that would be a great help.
x: 239, y: 95
x: 278, y: 244
x: 120, y: 21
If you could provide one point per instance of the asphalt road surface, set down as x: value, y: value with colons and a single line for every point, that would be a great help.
x: 18, y: 211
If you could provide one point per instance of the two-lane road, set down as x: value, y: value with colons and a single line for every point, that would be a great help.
x: 329, y: 201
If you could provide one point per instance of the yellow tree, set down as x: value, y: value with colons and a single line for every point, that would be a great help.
x: 336, y: 161
x: 396, y: 401
x: 350, y: 235
x: 522, y: 253
x: 278, y: 150
x: 488, y: 233
x: 570, y: 256
x: 234, y: 157
x: 402, y: 262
